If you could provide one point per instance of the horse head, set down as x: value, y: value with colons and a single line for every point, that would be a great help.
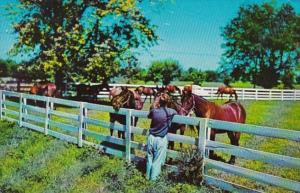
x: 188, y: 103
x: 140, y: 90
x: 124, y: 99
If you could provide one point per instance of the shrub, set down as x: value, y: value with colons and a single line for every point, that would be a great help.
x: 189, y: 167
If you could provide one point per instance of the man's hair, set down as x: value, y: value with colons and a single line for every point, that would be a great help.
x: 164, y: 99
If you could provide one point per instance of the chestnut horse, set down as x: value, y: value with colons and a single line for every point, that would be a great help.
x: 170, y: 89
x: 44, y: 89
x: 145, y: 91
x: 125, y: 99
x: 226, y: 90
x: 230, y: 111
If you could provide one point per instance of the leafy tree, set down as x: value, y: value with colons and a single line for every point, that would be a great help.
x: 262, y: 44
x: 211, y: 76
x: 83, y: 40
x: 7, y: 68
x: 298, y: 79
x: 195, y: 75
x: 132, y: 73
x: 164, y: 70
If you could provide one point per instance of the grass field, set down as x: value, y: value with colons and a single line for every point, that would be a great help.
x: 31, y: 162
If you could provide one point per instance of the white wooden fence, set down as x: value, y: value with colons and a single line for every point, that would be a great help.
x: 207, y: 92
x: 243, y: 93
x: 15, y: 107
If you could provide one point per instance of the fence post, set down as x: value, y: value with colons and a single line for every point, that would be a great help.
x: 282, y: 95
x: 294, y: 94
x: 1, y: 103
x: 20, y: 110
x: 128, y: 135
x: 243, y: 94
x: 51, y: 107
x: 256, y: 93
x: 202, y: 136
x: 85, y: 113
x: 47, y: 116
x: 25, y: 109
x: 270, y: 94
x: 81, y: 124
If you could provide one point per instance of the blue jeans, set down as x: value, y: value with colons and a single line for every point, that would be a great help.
x: 156, y: 155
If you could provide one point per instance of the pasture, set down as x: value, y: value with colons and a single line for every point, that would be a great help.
x: 269, y: 113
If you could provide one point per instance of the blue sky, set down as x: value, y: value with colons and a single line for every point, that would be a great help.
x: 190, y: 30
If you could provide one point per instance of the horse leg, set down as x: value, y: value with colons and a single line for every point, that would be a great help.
x: 112, y: 123
x: 234, y: 140
x: 181, y: 133
x: 145, y: 98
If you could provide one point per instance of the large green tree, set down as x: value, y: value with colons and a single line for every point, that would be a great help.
x: 262, y: 44
x: 80, y: 40
x: 164, y: 70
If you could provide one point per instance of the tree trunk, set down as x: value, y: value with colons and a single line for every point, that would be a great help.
x: 59, y: 80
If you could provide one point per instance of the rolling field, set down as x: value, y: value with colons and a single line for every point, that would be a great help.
x: 32, y: 162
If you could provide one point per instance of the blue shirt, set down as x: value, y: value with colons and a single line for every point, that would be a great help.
x: 161, y: 121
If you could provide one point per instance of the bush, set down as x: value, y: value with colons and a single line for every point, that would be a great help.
x: 189, y: 167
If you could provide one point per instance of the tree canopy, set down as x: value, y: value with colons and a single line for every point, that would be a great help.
x: 83, y: 40
x: 7, y: 68
x: 164, y: 70
x: 262, y: 45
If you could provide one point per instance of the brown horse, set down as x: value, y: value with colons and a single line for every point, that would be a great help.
x: 115, y: 91
x: 226, y: 90
x: 90, y: 90
x: 170, y: 90
x: 230, y: 111
x: 147, y: 91
x: 44, y: 89
x: 125, y: 99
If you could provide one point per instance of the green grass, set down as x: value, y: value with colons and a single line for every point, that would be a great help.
x: 34, y: 163
x: 43, y: 162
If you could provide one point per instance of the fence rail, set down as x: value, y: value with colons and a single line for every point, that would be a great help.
x: 14, y: 107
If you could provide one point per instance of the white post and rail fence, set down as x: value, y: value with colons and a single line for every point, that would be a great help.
x: 242, y: 93
x: 207, y: 92
x: 16, y: 107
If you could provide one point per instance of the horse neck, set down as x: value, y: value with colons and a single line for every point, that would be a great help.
x: 202, y: 106
x: 175, y: 106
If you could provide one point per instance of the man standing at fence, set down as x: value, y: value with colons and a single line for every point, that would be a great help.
x: 157, y: 140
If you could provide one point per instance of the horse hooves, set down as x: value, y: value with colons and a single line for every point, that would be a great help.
x: 232, y: 162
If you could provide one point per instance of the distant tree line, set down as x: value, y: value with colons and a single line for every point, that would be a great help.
x: 165, y: 71
x: 160, y: 71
